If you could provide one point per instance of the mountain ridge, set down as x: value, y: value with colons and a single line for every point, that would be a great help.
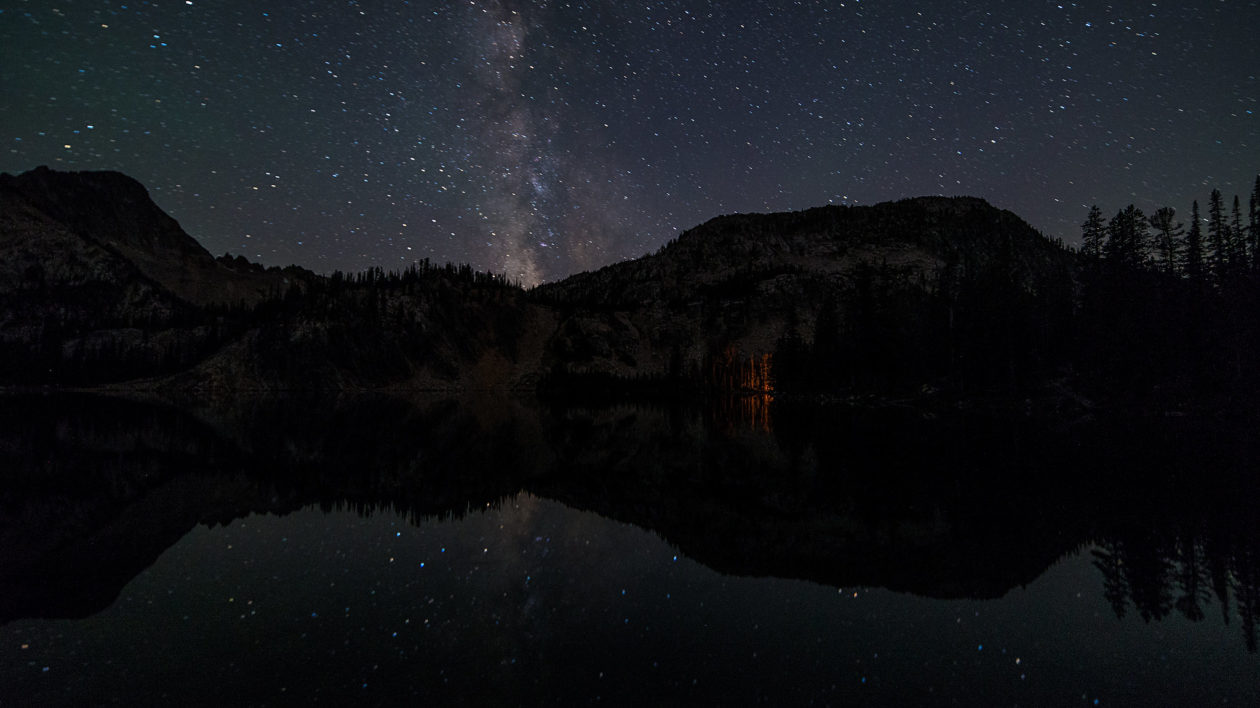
x: 736, y: 287
x: 114, y: 211
x: 753, y: 280
x: 820, y: 238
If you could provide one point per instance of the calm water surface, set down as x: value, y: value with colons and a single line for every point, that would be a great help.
x: 524, y: 600
x: 532, y: 602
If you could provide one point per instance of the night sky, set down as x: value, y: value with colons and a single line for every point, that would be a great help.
x: 544, y: 138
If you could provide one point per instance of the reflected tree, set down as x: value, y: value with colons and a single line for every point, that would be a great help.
x: 1247, y: 590
x: 1157, y: 575
x: 1193, y: 579
x: 1109, y: 560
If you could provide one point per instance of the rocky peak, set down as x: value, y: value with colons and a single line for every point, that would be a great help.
x: 921, y: 234
x: 114, y: 212
x: 107, y: 207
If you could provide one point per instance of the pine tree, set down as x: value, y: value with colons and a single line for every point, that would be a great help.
x: 1093, y: 233
x: 1237, y: 239
x: 1126, y: 238
x: 1194, y: 265
x: 1218, y: 239
x: 1168, y: 235
x: 1253, y: 226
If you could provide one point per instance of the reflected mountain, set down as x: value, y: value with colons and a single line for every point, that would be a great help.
x: 95, y: 488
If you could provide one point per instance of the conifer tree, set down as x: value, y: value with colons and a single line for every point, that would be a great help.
x: 1218, y: 239
x: 1237, y: 239
x: 1093, y: 233
x: 1126, y: 238
x: 1168, y: 235
x: 1194, y: 265
x: 1253, y: 226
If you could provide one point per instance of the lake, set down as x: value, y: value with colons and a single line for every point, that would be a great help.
x: 381, y: 551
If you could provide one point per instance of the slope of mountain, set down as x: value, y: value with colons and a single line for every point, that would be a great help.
x: 97, y: 284
x: 112, y: 212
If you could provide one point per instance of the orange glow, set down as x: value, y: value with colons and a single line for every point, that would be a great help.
x: 730, y: 372
x: 758, y: 374
x: 751, y: 380
x: 744, y: 411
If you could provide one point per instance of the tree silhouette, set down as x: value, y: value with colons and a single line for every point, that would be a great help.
x: 1237, y: 239
x: 1093, y: 233
x: 1193, y: 579
x: 1253, y: 226
x: 1127, y: 236
x: 1109, y: 560
x: 1195, y: 266
x: 1218, y: 237
x: 1168, y: 235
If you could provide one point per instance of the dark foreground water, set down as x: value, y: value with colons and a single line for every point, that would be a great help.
x: 271, y: 557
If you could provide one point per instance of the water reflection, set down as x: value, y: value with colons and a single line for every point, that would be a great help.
x: 748, y: 411
x: 530, y: 602
x: 1182, y: 574
x: 94, y: 490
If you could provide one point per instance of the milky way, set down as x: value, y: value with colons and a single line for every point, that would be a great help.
x: 543, y: 138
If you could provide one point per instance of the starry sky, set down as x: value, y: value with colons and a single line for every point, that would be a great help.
x: 542, y: 138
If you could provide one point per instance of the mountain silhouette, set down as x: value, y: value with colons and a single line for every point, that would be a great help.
x: 886, y: 297
x: 101, y: 287
x: 106, y: 221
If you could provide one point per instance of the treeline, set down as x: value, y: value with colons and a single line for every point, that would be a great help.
x: 375, y: 326
x: 78, y: 333
x: 424, y: 271
x: 1216, y: 249
x: 1149, y: 310
x: 416, y: 273
x: 1171, y: 310
x: 980, y: 326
